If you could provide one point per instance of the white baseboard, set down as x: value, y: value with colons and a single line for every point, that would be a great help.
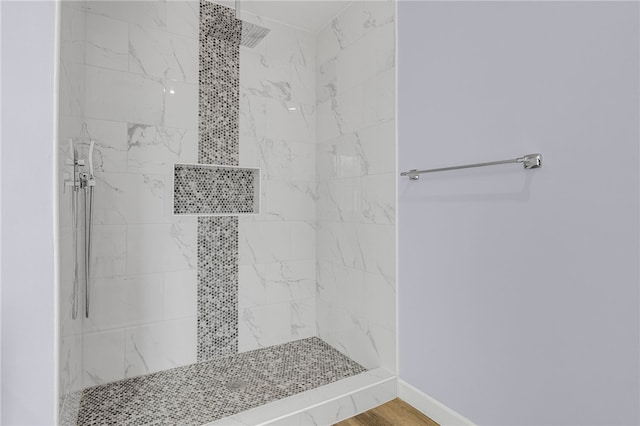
x: 431, y: 407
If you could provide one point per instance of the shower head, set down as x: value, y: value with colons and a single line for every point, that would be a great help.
x: 252, y: 34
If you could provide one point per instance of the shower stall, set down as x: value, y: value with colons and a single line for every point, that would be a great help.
x: 227, y: 213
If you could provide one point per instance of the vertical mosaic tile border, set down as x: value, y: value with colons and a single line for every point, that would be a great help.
x: 217, y: 287
x: 219, y: 85
x: 218, y: 140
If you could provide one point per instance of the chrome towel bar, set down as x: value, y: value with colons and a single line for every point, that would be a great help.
x: 529, y: 161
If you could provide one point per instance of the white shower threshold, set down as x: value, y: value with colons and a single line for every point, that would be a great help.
x: 324, y: 405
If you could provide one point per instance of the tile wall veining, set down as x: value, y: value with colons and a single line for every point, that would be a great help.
x: 141, y: 107
x: 327, y: 188
x: 356, y: 183
x: 278, y: 134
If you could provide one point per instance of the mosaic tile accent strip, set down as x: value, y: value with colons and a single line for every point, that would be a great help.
x: 219, y: 22
x: 219, y: 85
x: 201, y: 189
x: 217, y: 287
x: 218, y: 140
x: 200, y: 393
x: 218, y: 143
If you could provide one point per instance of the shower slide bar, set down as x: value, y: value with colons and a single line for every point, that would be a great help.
x: 529, y: 161
x: 85, y: 182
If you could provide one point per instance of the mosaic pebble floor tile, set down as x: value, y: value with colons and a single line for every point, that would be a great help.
x: 200, y: 393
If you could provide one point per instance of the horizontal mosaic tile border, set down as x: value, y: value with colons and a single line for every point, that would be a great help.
x: 204, y: 189
x: 200, y: 393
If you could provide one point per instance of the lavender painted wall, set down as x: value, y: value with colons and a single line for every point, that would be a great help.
x: 28, y: 288
x: 519, y: 290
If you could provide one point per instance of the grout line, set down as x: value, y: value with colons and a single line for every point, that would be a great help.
x: 322, y: 28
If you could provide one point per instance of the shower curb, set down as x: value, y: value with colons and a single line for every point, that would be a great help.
x: 324, y: 405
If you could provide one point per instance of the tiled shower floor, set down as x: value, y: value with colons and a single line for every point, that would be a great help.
x: 200, y: 393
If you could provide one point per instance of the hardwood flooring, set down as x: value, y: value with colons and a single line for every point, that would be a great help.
x: 393, y: 413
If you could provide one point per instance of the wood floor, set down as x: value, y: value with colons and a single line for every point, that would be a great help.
x: 393, y: 413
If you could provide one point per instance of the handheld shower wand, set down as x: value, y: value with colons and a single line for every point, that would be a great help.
x: 89, y: 183
x: 86, y: 182
x: 74, y: 226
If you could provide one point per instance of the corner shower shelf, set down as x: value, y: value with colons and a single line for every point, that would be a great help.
x: 215, y: 190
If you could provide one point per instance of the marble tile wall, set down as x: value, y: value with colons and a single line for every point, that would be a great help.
x: 277, y: 248
x: 141, y: 108
x: 356, y: 167
x: 316, y: 116
x: 139, y: 102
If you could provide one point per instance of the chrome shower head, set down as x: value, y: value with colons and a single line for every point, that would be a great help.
x: 252, y: 34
